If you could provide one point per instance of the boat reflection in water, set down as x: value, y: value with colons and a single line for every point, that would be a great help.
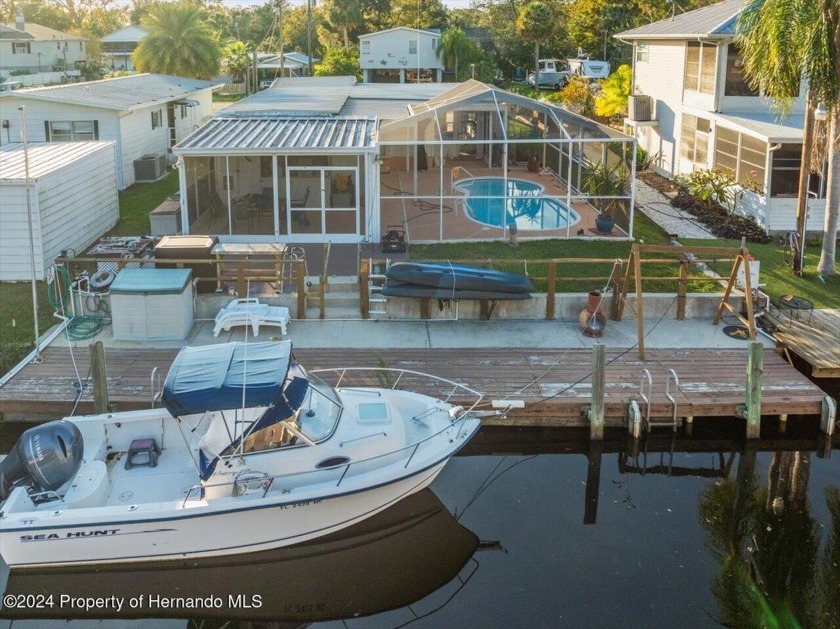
x: 385, y: 562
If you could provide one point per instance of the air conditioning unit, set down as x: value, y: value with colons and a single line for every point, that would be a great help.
x: 149, y: 167
x: 639, y: 108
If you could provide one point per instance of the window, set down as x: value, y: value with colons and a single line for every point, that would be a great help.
x: 412, y: 46
x: 700, y: 63
x: 434, y: 43
x: 81, y: 45
x: 741, y: 155
x: 72, y: 131
x: 736, y: 83
x: 784, y: 176
x: 366, y: 47
x: 183, y: 110
x: 694, y: 139
x: 157, y: 118
x: 642, y: 52
x: 20, y: 48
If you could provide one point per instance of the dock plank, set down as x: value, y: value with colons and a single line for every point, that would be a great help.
x: 555, y: 384
x: 815, y: 338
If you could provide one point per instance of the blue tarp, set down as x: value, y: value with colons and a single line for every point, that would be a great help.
x: 211, y: 377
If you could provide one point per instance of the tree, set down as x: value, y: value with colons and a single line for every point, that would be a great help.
x: 343, y: 16
x: 615, y: 90
x: 783, y: 41
x: 454, y: 45
x: 535, y: 23
x: 418, y: 14
x: 237, y: 60
x: 340, y: 61
x: 179, y: 42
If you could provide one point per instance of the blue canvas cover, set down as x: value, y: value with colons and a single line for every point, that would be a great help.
x: 211, y: 377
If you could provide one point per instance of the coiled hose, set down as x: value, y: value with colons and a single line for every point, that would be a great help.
x: 79, y: 327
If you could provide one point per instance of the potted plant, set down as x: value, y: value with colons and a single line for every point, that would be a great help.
x: 533, y: 164
x: 603, y: 182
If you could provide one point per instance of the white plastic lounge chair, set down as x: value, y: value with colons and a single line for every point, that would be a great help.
x: 249, y: 311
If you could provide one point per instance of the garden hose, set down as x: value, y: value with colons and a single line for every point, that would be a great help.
x: 79, y: 328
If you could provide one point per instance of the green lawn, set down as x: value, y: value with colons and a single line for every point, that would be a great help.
x: 16, y: 322
x: 778, y: 279
x: 139, y: 200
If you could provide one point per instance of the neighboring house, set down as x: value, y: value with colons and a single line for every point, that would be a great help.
x: 145, y: 114
x: 32, y: 48
x: 692, y: 109
x: 293, y: 64
x: 119, y: 46
x: 400, y: 55
x: 327, y: 159
x: 73, y: 200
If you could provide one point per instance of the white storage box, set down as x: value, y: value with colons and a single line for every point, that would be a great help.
x: 152, y: 304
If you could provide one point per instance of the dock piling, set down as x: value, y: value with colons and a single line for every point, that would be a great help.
x: 100, y: 377
x: 752, y: 406
x: 596, y: 411
x: 828, y: 416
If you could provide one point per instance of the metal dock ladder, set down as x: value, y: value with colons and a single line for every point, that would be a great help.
x: 646, y: 395
x: 376, y: 300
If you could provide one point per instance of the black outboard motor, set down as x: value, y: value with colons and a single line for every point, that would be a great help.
x: 45, y: 457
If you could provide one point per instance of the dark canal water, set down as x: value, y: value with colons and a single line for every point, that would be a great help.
x: 549, y: 531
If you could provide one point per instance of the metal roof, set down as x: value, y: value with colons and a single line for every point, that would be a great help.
x: 716, y: 20
x: 131, y: 33
x: 44, y: 158
x: 36, y: 32
x: 386, y: 109
x: 433, y: 33
x: 315, y: 95
x: 281, y: 134
x: 121, y: 94
x: 768, y: 127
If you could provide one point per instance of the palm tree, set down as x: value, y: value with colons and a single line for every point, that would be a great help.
x: 237, y: 60
x: 782, y: 42
x: 454, y: 45
x: 535, y: 24
x: 344, y: 15
x: 180, y: 42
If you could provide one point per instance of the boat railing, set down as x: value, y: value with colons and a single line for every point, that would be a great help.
x: 386, y: 380
x: 407, y: 451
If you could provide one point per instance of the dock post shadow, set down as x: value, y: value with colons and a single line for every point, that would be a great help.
x: 593, y: 480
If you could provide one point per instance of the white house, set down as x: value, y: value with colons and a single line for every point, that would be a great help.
x: 145, y: 114
x: 33, y: 48
x: 400, y: 55
x: 692, y: 109
x: 72, y: 197
x: 120, y: 45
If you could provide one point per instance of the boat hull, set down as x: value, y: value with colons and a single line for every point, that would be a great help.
x: 400, y: 289
x: 200, y: 530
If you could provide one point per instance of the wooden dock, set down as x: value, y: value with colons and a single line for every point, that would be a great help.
x: 555, y: 385
x: 814, y: 337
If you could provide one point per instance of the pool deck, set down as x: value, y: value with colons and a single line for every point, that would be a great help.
x: 423, y: 220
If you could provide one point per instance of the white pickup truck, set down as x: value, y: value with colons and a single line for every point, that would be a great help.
x: 552, y: 75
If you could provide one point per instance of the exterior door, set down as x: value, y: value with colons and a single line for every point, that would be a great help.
x: 322, y: 203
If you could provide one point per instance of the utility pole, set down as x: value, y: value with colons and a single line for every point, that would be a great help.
x: 282, y: 44
x: 23, y: 134
x: 309, y: 34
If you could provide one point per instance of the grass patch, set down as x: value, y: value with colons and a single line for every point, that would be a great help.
x: 779, y: 280
x: 139, y: 200
x: 516, y: 260
x: 17, y: 334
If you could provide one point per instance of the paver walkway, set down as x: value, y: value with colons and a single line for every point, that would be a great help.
x: 657, y: 207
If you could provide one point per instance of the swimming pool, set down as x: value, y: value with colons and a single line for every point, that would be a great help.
x: 495, y: 202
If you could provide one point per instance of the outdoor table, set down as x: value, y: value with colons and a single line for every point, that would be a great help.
x: 796, y: 306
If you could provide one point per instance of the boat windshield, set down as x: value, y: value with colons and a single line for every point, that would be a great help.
x: 320, y: 410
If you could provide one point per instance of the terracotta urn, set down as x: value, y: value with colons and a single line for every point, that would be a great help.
x: 592, y: 320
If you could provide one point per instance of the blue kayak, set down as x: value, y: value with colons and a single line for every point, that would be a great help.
x: 459, y: 277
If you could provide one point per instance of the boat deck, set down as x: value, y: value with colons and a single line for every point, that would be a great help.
x: 554, y: 383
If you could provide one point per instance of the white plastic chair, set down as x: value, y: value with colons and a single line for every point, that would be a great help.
x: 249, y: 311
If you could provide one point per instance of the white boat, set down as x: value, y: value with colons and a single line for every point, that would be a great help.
x: 250, y: 452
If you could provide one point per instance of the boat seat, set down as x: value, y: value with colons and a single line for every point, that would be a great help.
x: 91, y: 486
x: 142, y: 452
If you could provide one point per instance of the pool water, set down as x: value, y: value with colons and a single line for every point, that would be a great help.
x: 498, y: 202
